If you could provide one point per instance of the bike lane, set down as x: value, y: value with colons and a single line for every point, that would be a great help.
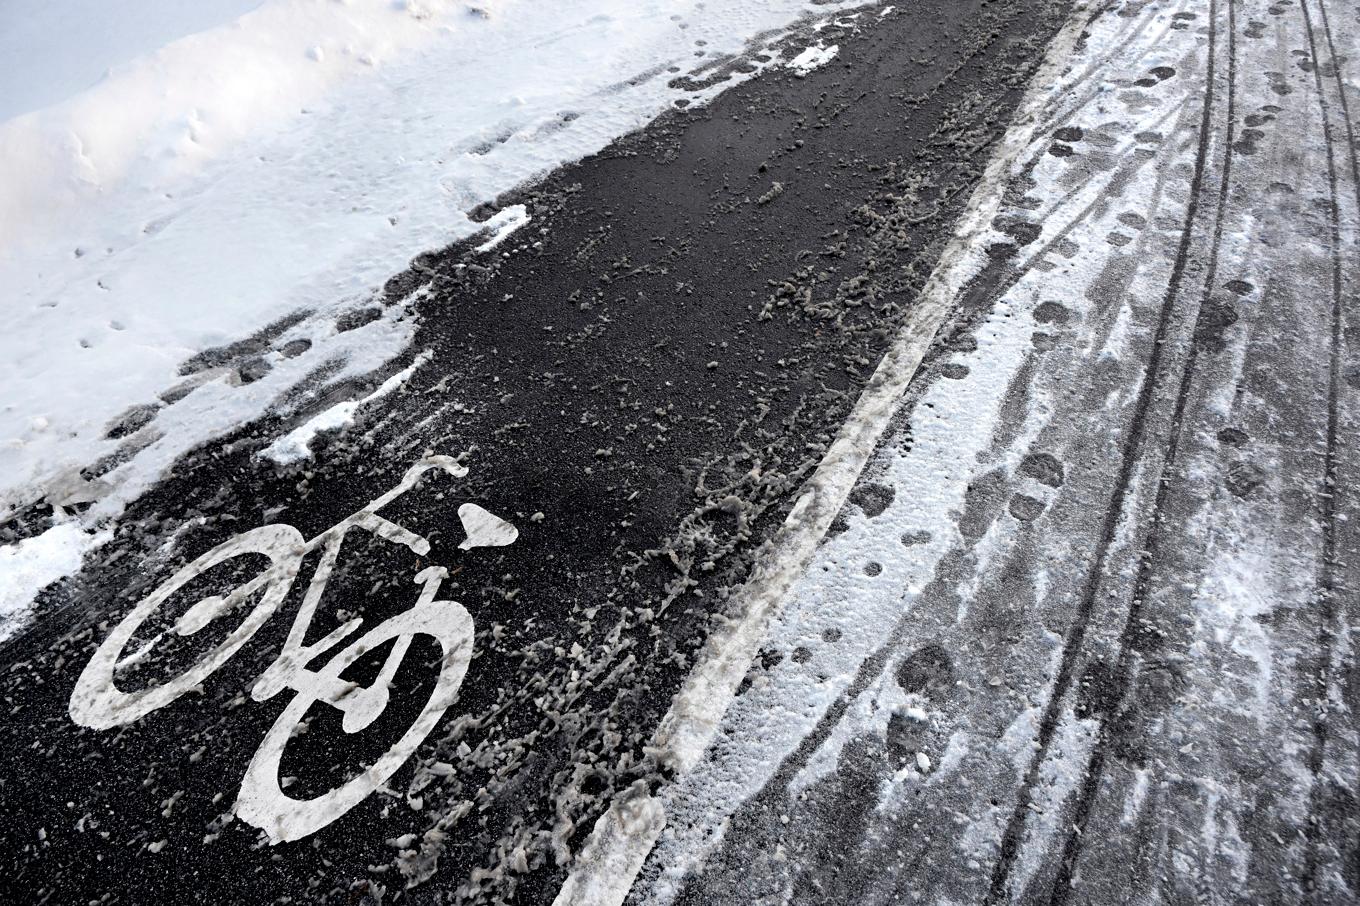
x: 637, y: 379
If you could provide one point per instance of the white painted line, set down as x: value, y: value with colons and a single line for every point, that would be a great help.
x: 620, y: 842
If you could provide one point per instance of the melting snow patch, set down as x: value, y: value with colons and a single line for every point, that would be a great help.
x: 32, y: 564
x: 812, y: 58
x: 296, y: 444
x: 503, y: 224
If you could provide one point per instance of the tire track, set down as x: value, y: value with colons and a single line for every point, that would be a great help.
x: 1010, y: 842
x: 1345, y: 104
x: 1339, y: 326
x: 1326, y: 591
x: 1062, y: 884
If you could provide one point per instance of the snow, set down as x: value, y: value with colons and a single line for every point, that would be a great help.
x: 174, y: 177
x: 96, y: 36
x: 813, y: 57
x: 295, y: 446
x: 503, y: 224
x: 27, y: 567
x: 1239, y: 566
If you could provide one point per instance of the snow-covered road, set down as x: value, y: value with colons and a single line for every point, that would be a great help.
x: 1086, y: 633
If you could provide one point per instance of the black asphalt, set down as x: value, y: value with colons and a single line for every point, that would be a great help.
x: 638, y: 380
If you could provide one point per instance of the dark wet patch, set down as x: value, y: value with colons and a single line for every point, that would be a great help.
x: 1066, y: 247
x: 962, y: 342
x: 1098, y: 690
x: 873, y: 568
x: 983, y: 501
x: 294, y: 348
x: 1277, y: 83
x: 131, y: 421
x: 1023, y: 232
x: 1243, y: 478
x: 1069, y: 134
x: 1248, y: 141
x: 1025, y: 508
x: 175, y: 394
x: 1215, y: 317
x: 253, y: 368
x: 954, y: 370
x: 1156, y: 75
x: 926, y: 671
x: 1051, y: 313
x: 872, y: 497
x: 353, y: 320
x: 254, y: 345
x: 1044, y: 468
x: 769, y: 658
x: 911, y: 539
x: 1233, y: 437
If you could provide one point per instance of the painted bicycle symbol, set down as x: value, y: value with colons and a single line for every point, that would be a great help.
x: 98, y: 703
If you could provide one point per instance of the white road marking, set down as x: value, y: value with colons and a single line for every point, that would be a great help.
x: 484, y: 529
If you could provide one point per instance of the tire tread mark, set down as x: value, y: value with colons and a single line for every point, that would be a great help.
x: 1326, y: 582
x: 1062, y: 885
x: 1133, y: 441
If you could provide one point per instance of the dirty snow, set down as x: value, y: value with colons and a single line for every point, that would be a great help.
x: 979, y: 515
x: 26, y: 567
